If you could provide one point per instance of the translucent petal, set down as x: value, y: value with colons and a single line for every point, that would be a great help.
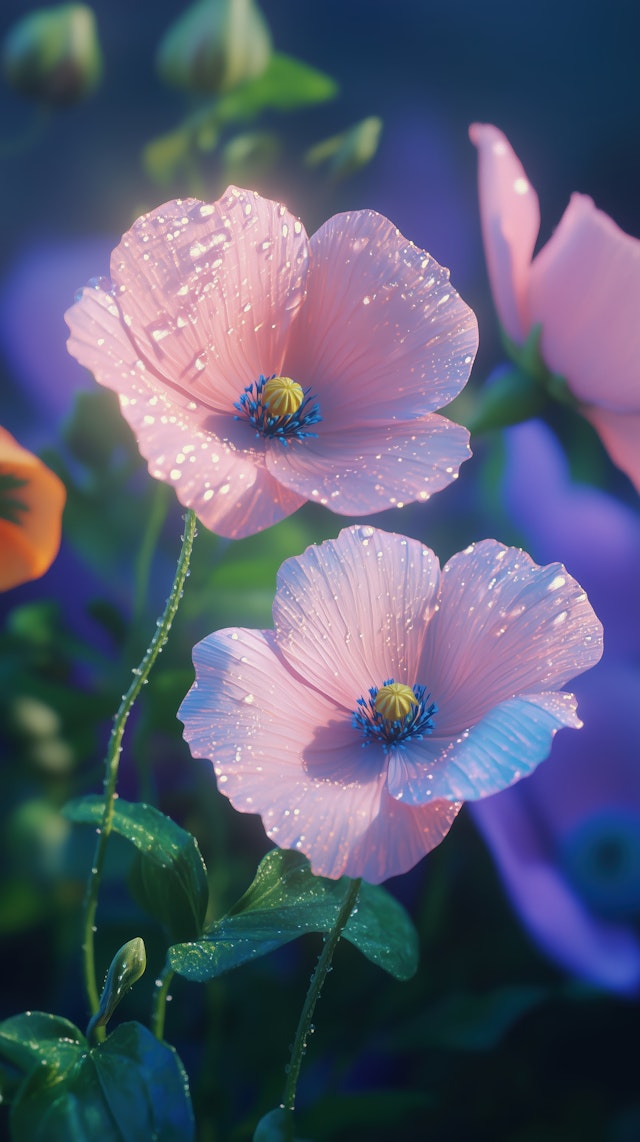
x: 504, y: 626
x: 510, y: 217
x: 214, y: 463
x: 208, y: 292
x: 356, y: 471
x: 352, y: 612
x: 278, y: 748
x: 501, y: 748
x: 383, y: 335
x: 620, y: 434
x: 584, y: 289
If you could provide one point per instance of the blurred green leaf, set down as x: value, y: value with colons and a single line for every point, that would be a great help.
x: 286, y: 900
x: 170, y: 878
x: 347, y: 152
x: 468, y: 1022
x: 287, y: 84
x: 96, y: 432
x: 128, y: 1088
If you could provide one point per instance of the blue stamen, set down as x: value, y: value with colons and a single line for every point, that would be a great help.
x: 413, y: 727
x: 284, y: 428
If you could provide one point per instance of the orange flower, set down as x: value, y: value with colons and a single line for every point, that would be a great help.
x: 31, y: 502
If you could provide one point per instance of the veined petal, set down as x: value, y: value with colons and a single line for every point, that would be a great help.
x: 351, y: 613
x: 510, y: 217
x: 30, y: 538
x: 504, y: 626
x: 383, y: 336
x: 584, y: 289
x: 367, y: 469
x: 502, y: 747
x: 207, y: 291
x: 213, y: 462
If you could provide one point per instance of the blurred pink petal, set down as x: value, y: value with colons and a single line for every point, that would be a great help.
x: 207, y: 301
x: 583, y: 287
x: 290, y: 720
x: 510, y: 217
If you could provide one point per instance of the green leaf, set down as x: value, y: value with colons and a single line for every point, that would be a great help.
x: 28, y: 1040
x: 468, y: 1022
x: 130, y: 1087
x: 276, y: 1126
x: 286, y: 900
x: 286, y: 85
x: 170, y: 877
x: 347, y: 152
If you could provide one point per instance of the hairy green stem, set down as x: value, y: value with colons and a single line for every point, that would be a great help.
x: 313, y: 994
x: 140, y: 675
x: 160, y: 994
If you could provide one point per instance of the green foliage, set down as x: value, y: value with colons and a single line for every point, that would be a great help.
x: 170, y: 880
x: 132, y: 1086
x: 347, y: 152
x: 286, y: 84
x: 285, y: 901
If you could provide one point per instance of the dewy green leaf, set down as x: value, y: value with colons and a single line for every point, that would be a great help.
x: 28, y: 1040
x: 286, y: 900
x: 128, y: 1088
x: 170, y: 877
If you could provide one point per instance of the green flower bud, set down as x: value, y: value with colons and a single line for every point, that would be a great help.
x: 214, y: 46
x: 127, y: 966
x: 53, y: 55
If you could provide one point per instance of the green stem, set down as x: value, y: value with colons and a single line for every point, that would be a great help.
x: 313, y: 994
x: 163, y: 983
x: 155, y: 519
x: 140, y: 675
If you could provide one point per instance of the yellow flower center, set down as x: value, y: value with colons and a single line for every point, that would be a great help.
x: 283, y: 396
x: 394, y: 701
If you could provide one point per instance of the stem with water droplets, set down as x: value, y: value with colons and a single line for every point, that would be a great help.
x: 140, y: 675
x: 313, y: 994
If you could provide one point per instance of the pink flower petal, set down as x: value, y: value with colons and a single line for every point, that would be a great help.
x: 208, y: 291
x: 367, y: 469
x: 262, y: 728
x: 584, y: 288
x: 383, y: 335
x: 620, y: 434
x: 352, y: 612
x: 504, y: 626
x: 211, y: 461
x: 510, y: 217
x: 504, y: 746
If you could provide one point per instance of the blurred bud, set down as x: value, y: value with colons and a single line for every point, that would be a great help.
x: 347, y: 152
x: 127, y: 966
x: 53, y: 55
x: 214, y: 46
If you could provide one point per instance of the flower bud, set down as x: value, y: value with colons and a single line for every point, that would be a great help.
x: 127, y: 966
x: 53, y: 55
x: 214, y: 46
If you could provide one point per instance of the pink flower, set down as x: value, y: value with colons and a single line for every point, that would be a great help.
x: 388, y: 693
x: 583, y: 287
x: 208, y: 302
